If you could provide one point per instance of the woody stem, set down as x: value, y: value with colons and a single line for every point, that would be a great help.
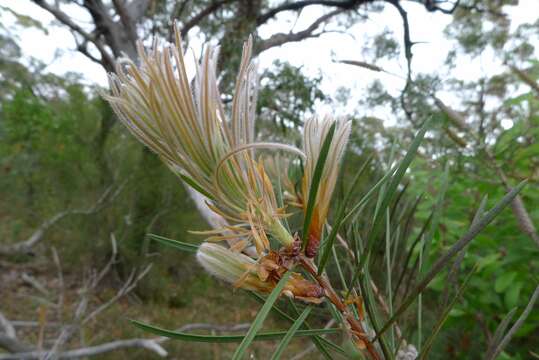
x: 356, y: 326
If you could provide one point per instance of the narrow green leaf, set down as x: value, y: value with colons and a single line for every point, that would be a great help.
x: 192, y: 183
x: 500, y: 331
x: 321, y: 343
x: 182, y: 246
x: 291, y: 332
x: 409, y: 258
x: 369, y: 301
x: 388, y: 196
x: 273, y: 335
x: 437, y: 214
x: 434, y: 333
x: 328, y: 244
x: 315, y: 183
x: 369, y: 195
x: 260, y: 317
x: 389, y: 278
x: 473, y: 231
x: 516, y: 326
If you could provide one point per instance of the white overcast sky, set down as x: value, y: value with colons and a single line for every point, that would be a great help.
x: 314, y: 55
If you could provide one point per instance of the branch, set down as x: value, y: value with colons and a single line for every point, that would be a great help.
x: 433, y: 7
x: 106, y: 59
x: 214, y: 6
x: 128, y: 23
x: 12, y: 345
x: 5, y: 324
x: 32, y: 281
x: 298, y: 5
x: 137, y: 8
x: 83, y: 49
x: 523, y: 76
x: 128, y: 286
x: 24, y: 247
x: 8, y: 337
x: 148, y: 344
x: 282, y: 38
x: 407, y: 40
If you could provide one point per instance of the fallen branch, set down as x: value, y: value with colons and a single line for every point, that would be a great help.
x: 153, y: 344
x: 25, y: 247
x: 148, y: 344
x: 8, y: 337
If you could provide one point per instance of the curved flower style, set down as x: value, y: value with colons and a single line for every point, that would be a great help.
x: 316, y: 131
x: 187, y: 127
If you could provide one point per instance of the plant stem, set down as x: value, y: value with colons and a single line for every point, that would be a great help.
x: 330, y: 293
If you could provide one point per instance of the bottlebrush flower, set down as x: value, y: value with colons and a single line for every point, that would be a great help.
x: 188, y: 128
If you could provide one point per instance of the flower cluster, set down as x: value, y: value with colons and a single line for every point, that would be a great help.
x: 214, y: 151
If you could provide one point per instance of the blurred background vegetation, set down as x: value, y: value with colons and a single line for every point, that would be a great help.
x: 70, y: 171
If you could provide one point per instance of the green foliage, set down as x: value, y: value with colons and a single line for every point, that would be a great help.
x: 286, y: 94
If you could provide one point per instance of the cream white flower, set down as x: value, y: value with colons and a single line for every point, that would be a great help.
x: 315, y: 132
x: 188, y: 128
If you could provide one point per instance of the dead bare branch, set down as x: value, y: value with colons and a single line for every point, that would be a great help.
x: 279, y: 39
x: 7, y: 327
x: 148, y: 344
x: 299, y: 5
x: 13, y: 345
x: 8, y: 337
x: 196, y: 19
x: 522, y: 75
x: 32, y: 281
x: 25, y: 247
x: 106, y: 59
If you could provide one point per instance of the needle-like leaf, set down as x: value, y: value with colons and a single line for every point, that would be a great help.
x: 260, y: 317
x: 179, y: 245
x: 434, y: 333
x: 290, y: 334
x: 273, y: 335
x: 456, y: 248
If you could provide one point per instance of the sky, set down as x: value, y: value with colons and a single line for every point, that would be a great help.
x: 315, y: 56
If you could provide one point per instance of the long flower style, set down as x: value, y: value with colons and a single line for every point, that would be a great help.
x: 315, y: 133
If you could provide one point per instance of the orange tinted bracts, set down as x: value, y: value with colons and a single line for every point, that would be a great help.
x: 313, y: 236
